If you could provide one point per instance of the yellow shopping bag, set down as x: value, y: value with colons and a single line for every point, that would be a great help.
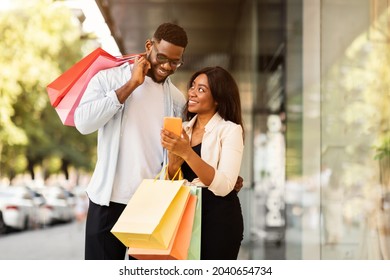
x: 152, y: 214
x: 178, y: 248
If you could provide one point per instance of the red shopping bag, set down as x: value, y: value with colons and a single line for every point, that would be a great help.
x: 66, y: 91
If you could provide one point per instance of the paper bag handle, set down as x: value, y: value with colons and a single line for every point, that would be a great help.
x: 129, y: 57
x: 166, y: 171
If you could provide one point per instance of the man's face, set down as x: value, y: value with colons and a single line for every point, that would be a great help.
x: 164, y: 59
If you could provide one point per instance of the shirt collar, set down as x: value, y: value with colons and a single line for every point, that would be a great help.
x: 209, y: 126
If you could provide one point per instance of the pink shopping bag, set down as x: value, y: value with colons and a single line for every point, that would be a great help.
x: 66, y: 91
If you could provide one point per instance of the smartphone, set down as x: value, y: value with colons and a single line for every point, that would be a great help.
x: 173, y: 124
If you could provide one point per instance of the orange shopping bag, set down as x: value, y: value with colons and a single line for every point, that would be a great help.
x: 66, y: 91
x: 178, y: 248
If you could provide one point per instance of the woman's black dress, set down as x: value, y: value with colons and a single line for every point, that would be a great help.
x: 222, y: 221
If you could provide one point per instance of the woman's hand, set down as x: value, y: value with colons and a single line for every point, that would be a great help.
x: 174, y: 163
x: 181, y: 147
x: 172, y: 143
x: 178, y: 145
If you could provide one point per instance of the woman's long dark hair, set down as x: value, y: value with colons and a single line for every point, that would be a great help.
x: 225, y: 92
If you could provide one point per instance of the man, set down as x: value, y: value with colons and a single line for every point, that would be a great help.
x: 126, y: 104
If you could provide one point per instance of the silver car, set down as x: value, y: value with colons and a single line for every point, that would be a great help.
x: 19, y: 207
x: 59, y: 206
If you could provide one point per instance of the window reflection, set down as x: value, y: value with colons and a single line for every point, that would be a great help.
x: 355, y: 119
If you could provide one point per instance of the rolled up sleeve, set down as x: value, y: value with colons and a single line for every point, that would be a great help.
x: 229, y: 162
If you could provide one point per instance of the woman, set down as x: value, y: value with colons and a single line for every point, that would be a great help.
x: 209, y: 153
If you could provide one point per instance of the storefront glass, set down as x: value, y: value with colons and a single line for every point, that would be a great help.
x: 355, y: 120
x: 337, y: 185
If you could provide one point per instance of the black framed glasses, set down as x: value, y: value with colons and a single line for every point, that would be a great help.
x: 162, y: 59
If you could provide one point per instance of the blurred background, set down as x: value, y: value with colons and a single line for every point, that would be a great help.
x: 314, y: 79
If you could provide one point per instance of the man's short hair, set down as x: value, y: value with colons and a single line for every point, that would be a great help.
x: 171, y: 33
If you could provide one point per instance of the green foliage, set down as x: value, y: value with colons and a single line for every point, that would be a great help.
x: 52, y: 164
x: 383, y: 149
x: 39, y: 42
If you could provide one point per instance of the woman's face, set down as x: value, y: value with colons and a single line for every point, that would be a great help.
x: 200, y: 99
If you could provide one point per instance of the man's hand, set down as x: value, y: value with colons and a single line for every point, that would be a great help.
x: 239, y: 184
x: 138, y: 73
x: 141, y: 67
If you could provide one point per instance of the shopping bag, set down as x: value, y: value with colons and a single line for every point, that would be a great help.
x: 151, y: 216
x: 65, y: 92
x: 194, y: 248
x: 178, y: 248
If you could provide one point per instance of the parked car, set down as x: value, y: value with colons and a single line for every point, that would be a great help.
x: 38, y: 198
x: 59, y: 206
x: 19, y: 209
x: 3, y: 228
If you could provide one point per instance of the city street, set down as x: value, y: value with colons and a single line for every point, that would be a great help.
x: 58, y: 242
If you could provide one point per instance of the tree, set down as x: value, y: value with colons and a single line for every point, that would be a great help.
x: 39, y: 42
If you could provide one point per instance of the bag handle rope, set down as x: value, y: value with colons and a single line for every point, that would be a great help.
x: 166, y: 172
